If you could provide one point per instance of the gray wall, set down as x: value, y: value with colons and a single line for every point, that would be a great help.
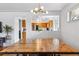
x: 44, y: 34
x: 69, y: 31
x: 11, y: 18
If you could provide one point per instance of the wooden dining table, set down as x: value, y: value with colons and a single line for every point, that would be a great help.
x: 45, y: 49
x: 28, y: 51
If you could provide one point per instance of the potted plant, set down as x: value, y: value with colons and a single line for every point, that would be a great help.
x: 7, y: 29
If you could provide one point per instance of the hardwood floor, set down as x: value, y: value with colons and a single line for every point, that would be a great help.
x: 66, y: 48
x: 41, y: 45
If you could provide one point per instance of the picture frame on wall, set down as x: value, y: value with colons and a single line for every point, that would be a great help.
x: 73, y: 15
x: 68, y: 17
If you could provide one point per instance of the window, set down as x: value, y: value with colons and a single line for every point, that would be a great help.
x: 45, y: 23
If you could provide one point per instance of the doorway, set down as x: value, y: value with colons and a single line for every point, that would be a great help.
x: 22, y: 32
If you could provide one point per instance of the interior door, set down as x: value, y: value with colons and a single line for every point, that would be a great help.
x: 23, y: 40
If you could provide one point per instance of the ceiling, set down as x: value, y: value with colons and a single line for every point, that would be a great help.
x: 23, y: 7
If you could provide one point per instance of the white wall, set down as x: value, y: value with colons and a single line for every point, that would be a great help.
x: 69, y: 31
x: 11, y: 18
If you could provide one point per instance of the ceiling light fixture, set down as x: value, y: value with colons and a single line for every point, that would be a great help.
x: 39, y: 10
